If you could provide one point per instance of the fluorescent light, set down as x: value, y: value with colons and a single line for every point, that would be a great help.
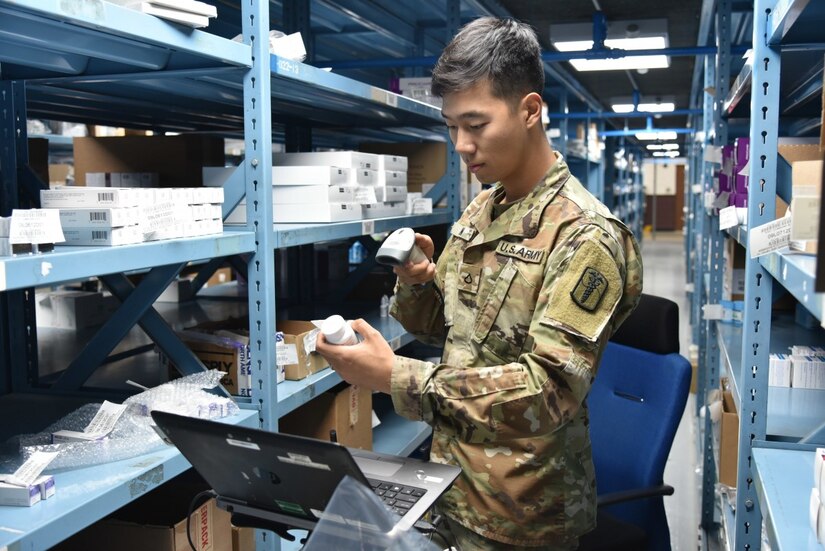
x: 620, y: 63
x: 664, y: 107
x: 653, y: 135
x: 662, y: 146
x: 671, y: 154
x: 670, y: 146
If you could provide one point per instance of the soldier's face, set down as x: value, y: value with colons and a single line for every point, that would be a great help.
x: 488, y: 132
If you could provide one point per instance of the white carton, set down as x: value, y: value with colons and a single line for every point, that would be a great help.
x: 206, y: 212
x: 363, y: 177
x: 127, y: 235
x: 317, y: 212
x: 390, y: 194
x: 391, y: 178
x: 310, y: 175
x: 392, y: 162
x: 80, y: 196
x: 288, y: 195
x: 26, y: 496
x: 341, y: 159
x: 384, y: 210
x: 99, y: 218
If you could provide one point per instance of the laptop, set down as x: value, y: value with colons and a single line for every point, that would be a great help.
x: 289, y: 480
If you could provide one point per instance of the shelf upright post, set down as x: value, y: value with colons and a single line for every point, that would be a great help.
x: 756, y: 329
x: 453, y: 18
x: 258, y: 173
x: 715, y: 241
x: 602, y: 166
x: 18, y: 338
x: 564, y: 109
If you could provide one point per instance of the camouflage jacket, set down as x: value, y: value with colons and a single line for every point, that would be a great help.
x: 524, y: 306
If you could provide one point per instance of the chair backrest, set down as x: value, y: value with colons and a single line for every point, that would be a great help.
x: 636, y: 404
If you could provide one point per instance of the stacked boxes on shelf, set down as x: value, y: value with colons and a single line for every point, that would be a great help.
x: 804, y: 367
x: 123, y: 216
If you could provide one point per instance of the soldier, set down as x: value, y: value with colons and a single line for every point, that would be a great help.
x: 535, y: 278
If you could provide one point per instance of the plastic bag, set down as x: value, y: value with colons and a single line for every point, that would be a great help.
x: 357, y: 520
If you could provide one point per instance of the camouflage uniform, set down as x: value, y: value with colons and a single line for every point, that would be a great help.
x: 524, y: 305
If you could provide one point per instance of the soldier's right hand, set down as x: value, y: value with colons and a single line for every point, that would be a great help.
x: 422, y: 272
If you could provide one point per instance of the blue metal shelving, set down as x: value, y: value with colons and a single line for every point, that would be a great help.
x: 780, y: 86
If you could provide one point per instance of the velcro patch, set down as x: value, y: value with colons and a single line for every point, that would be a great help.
x: 590, y: 289
x: 465, y: 233
x: 520, y: 252
x: 586, y: 293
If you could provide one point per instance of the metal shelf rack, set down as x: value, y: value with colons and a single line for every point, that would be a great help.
x: 778, y: 426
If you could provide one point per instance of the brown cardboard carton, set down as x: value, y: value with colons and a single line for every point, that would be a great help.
x: 728, y: 441
x: 426, y: 162
x: 345, y: 409
x: 299, y: 349
x: 243, y: 539
x: 220, y: 349
x: 178, y: 160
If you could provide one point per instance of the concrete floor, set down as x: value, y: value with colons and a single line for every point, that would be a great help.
x: 664, y: 276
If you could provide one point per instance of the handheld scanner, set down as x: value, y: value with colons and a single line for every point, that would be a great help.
x: 400, y: 247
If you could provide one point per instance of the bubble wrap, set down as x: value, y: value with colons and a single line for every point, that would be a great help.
x: 133, y: 434
x: 356, y: 520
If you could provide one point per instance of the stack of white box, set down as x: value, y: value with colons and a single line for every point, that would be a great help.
x: 779, y: 370
x: 333, y: 186
x: 124, y: 216
x: 817, y: 511
x: 807, y: 367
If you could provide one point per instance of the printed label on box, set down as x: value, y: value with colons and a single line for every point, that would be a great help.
x: 35, y: 226
x: 728, y: 218
x: 770, y: 237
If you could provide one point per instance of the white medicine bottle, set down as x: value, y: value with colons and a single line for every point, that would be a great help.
x: 338, y: 331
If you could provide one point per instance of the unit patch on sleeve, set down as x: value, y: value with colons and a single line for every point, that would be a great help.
x: 516, y: 250
x: 590, y: 289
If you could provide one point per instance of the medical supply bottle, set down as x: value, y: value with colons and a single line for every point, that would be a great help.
x: 336, y: 330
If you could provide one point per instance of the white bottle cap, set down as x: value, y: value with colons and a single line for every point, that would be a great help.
x: 337, y: 330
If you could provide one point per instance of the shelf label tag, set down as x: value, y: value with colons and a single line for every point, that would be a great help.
x: 770, y: 237
x: 35, y: 226
x: 712, y: 312
x: 367, y: 227
x: 728, y: 218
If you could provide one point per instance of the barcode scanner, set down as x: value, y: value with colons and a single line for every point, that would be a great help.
x: 399, y: 248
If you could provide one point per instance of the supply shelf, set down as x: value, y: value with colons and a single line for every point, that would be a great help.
x: 85, y: 495
x: 792, y: 412
x: 289, y: 235
x: 796, y: 22
x: 73, y: 263
x: 396, y: 435
x: 793, y: 270
x: 784, y: 478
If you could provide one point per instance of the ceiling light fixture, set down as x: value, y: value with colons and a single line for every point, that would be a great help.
x: 662, y: 107
x: 645, y: 34
x: 653, y: 135
x: 671, y: 154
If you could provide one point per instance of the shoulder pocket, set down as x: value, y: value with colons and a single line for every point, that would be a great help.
x: 586, y: 293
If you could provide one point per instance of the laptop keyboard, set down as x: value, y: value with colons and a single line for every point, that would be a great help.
x: 399, y: 499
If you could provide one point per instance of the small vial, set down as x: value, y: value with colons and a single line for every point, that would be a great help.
x: 337, y: 331
x: 384, y: 308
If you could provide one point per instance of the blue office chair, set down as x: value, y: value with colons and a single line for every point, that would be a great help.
x: 635, y: 404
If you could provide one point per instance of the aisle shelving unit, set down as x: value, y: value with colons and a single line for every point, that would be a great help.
x: 778, y: 426
x: 103, y: 63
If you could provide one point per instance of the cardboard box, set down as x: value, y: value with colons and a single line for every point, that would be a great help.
x: 60, y: 174
x: 74, y: 309
x: 426, y: 162
x: 226, y: 351
x: 345, y: 409
x: 728, y: 441
x: 178, y: 160
x: 296, y: 349
x: 243, y: 539
x: 157, y: 524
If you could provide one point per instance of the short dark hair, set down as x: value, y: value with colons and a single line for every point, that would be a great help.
x: 506, y: 52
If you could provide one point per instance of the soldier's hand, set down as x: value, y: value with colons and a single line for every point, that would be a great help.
x: 368, y: 363
x: 423, y: 272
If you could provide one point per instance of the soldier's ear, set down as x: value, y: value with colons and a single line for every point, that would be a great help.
x: 531, y: 109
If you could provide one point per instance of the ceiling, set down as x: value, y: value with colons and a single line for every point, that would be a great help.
x: 676, y: 81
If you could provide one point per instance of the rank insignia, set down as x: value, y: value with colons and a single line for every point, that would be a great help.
x: 590, y: 289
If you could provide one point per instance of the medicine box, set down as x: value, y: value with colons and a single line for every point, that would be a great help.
x: 392, y: 162
x: 384, y: 210
x: 75, y: 197
x: 26, y: 496
x: 99, y: 218
x: 127, y: 235
x: 391, y: 178
x: 290, y: 195
x: 304, y: 213
x: 310, y: 175
x: 390, y: 194
x: 341, y: 159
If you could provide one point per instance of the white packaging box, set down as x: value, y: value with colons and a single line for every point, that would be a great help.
x: 341, y: 159
x: 392, y: 162
x: 391, y: 194
x: 779, y: 370
x: 310, y: 176
x: 207, y: 195
x: 90, y: 197
x: 122, y: 179
x: 127, y: 235
x: 74, y: 309
x: 99, y: 218
x: 296, y: 213
x: 363, y: 177
x: 290, y: 195
x: 808, y: 372
x: 206, y: 212
x: 384, y: 210
x: 391, y: 178
x: 183, y: 195
x: 26, y: 496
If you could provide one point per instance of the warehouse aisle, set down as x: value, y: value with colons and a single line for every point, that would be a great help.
x: 664, y: 275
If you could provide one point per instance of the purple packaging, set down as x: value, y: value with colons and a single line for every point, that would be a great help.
x: 742, y: 151
x: 740, y: 184
x: 724, y: 183
x: 738, y: 200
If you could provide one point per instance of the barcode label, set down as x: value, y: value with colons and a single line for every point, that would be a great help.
x: 100, y: 235
x: 106, y: 197
x: 97, y: 217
